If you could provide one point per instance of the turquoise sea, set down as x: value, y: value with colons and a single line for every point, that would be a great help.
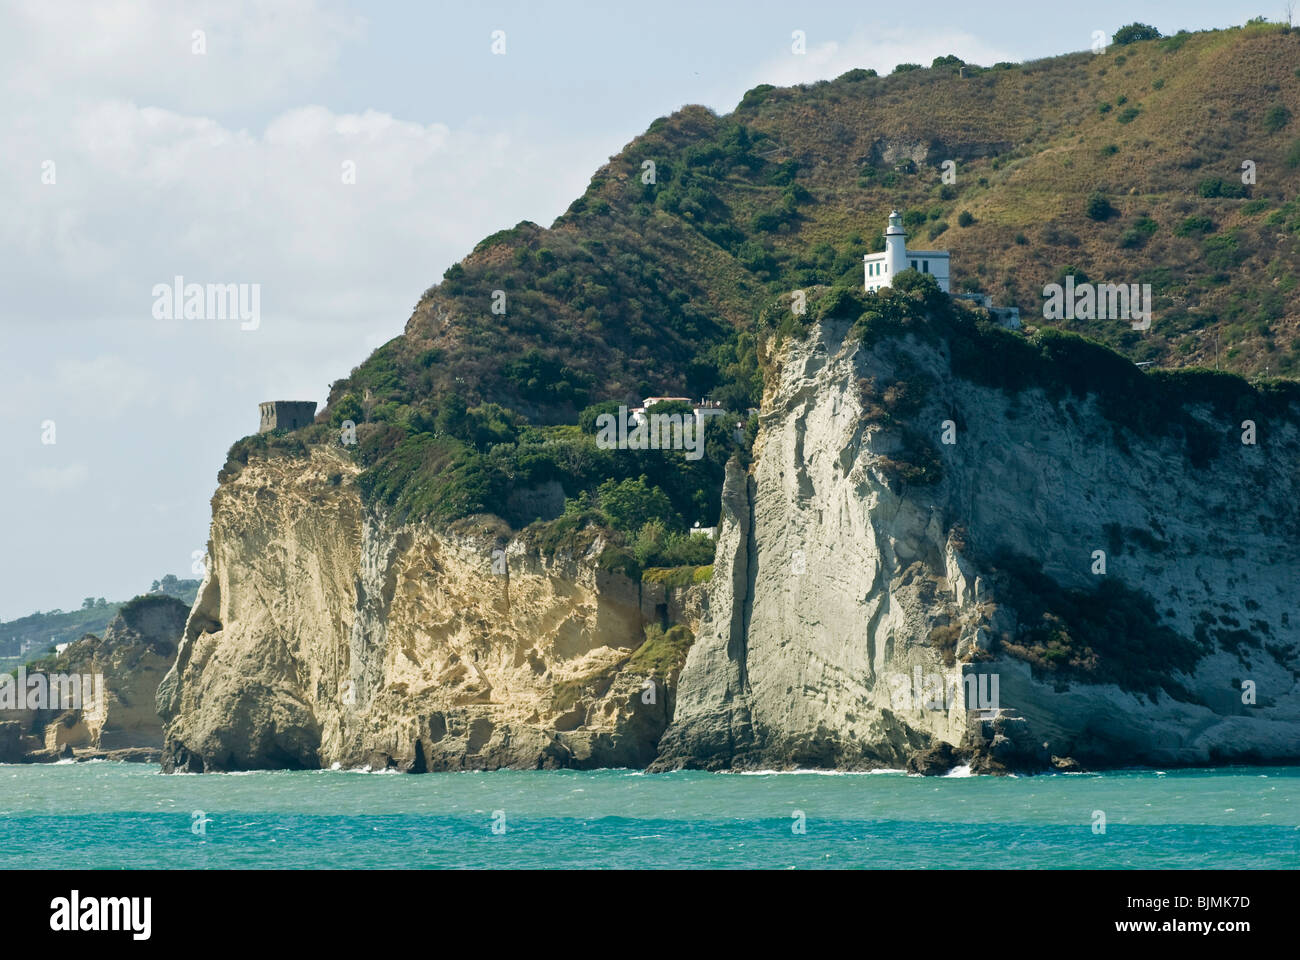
x: 112, y: 816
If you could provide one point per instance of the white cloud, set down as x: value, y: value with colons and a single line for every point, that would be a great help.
x: 144, y: 194
x: 256, y: 52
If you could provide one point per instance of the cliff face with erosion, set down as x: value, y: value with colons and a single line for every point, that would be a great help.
x: 117, y: 717
x: 848, y: 592
x: 1060, y: 583
x: 324, y: 634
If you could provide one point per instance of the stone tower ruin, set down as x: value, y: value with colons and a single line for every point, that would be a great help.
x: 286, y: 414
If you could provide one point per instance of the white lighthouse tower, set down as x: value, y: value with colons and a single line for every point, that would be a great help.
x: 881, y: 268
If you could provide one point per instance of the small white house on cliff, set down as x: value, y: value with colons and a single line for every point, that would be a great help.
x: 882, y: 267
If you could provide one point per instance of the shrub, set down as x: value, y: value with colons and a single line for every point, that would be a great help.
x: 663, y: 653
x: 1133, y: 33
x: 964, y: 219
x: 1127, y: 115
x: 544, y: 379
x: 841, y: 302
x: 1293, y: 154
x: 1098, y: 207
x: 1195, y: 225
x: 587, y: 419
x: 348, y: 407
x: 754, y: 97
x: 1276, y: 118
x: 1218, y: 187
x: 907, y: 67
x: 1175, y: 43
x: 1223, y: 253
x: 631, y: 504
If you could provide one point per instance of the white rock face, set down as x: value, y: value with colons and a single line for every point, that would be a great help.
x: 836, y: 582
x: 322, y: 634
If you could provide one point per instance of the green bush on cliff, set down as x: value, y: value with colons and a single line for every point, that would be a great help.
x: 663, y: 652
x: 1064, y: 364
x: 684, y: 576
x: 348, y: 407
x: 657, y: 546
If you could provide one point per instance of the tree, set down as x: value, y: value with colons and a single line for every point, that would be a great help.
x: 587, y: 419
x: 348, y: 407
x: 1135, y: 32
x: 453, y: 417
x: 649, y: 542
x: 88, y: 603
x: 631, y: 504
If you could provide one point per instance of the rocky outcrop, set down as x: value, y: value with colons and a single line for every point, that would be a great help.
x: 323, y: 634
x: 118, y: 678
x: 871, y: 577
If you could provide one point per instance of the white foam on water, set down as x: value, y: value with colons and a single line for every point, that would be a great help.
x: 808, y: 772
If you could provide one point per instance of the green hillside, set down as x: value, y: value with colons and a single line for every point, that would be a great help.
x: 26, y: 638
x: 673, y: 273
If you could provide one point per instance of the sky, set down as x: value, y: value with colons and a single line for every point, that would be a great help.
x: 335, y: 157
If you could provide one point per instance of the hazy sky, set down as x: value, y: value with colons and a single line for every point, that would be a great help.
x: 227, y: 167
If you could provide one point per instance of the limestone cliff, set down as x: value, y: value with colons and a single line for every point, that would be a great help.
x: 922, y: 567
x: 323, y: 634
x: 118, y: 717
x: 845, y: 574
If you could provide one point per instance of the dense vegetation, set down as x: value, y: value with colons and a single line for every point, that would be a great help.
x: 1061, y: 363
x: 686, y: 257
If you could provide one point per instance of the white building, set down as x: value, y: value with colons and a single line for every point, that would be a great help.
x: 703, y: 409
x: 880, y: 268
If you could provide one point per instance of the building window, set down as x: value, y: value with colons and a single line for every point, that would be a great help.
x: 925, y: 266
x: 913, y: 264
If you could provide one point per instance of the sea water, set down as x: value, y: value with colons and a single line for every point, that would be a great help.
x: 111, y: 816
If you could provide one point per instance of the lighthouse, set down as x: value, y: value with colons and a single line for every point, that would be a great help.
x: 881, y: 268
